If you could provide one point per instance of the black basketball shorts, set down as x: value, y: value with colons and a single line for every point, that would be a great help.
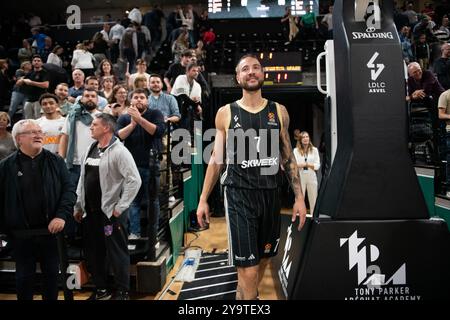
x: 253, y: 220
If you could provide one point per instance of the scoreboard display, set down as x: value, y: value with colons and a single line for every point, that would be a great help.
x: 238, y: 9
x: 281, y: 68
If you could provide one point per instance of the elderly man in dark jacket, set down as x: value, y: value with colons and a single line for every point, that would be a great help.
x: 36, y: 199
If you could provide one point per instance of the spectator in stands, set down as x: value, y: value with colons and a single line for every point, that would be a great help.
x: 39, y: 38
x: 291, y: 22
x: 424, y: 27
x: 405, y: 42
x: 34, y: 20
x: 308, y: 162
x: 119, y: 95
x: 152, y: 20
x: 180, y: 45
x: 135, y: 16
x: 141, y: 130
x: 411, y: 14
x: 5, y: 85
x: 25, y: 53
x: 109, y: 182
x: 7, y: 145
x: 200, y: 52
x: 129, y: 46
x: 141, y: 71
x: 75, y: 135
x: 143, y: 41
x: 176, y: 69
x: 115, y: 35
x: 309, y: 24
x: 168, y: 106
x: 35, y: 83
x: 444, y: 32
x: 173, y: 21
x: 209, y: 37
x: 105, y: 69
x: 100, y: 48
x: 115, y: 110
x: 442, y: 66
x: 18, y: 96
x: 442, y: 9
x: 187, y: 18
x: 202, y: 24
x: 105, y: 31
x: 444, y: 114
x: 400, y: 19
x: 107, y: 86
x: 176, y: 32
x: 186, y: 84
x: 140, y: 82
x: 285, y: 22
x: 118, y: 102
x: 92, y: 82
x: 48, y: 48
x: 428, y: 10
x: 62, y: 92
x: 327, y: 21
x: 161, y: 101
x: 37, y: 197
x: 422, y: 52
x: 78, y: 85
x: 201, y: 78
x: 55, y: 56
x: 51, y: 122
x: 82, y: 59
x: 422, y: 84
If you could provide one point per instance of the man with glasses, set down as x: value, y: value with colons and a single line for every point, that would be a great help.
x: 36, y: 199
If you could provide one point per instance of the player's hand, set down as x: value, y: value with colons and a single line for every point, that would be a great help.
x: 299, y: 210
x: 203, y: 213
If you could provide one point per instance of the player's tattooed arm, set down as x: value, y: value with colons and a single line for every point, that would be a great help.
x: 290, y: 166
x: 287, y: 156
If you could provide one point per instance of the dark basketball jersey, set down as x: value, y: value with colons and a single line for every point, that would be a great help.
x: 252, y: 149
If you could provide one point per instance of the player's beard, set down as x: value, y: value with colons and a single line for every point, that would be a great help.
x: 244, y: 85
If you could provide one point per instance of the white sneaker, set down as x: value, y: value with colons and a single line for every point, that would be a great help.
x: 133, y: 236
x: 448, y: 194
x: 171, y: 199
x: 157, y: 245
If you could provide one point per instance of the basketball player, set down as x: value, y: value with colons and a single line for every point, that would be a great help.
x: 251, y: 178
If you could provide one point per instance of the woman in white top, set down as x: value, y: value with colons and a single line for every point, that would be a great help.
x: 308, y: 162
x: 83, y: 59
x: 54, y: 56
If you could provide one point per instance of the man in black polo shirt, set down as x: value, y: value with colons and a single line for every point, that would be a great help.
x: 141, y: 130
x: 35, y: 84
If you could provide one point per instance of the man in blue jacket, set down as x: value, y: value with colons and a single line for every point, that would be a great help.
x: 36, y: 199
